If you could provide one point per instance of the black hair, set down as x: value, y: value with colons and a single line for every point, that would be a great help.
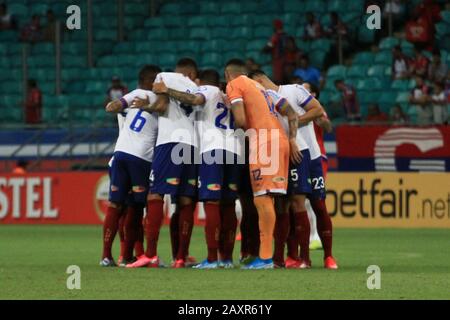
x: 148, y: 71
x: 187, y: 62
x: 235, y: 62
x: 314, y: 89
x: 256, y: 73
x: 210, y: 76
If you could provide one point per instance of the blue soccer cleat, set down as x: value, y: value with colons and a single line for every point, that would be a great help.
x: 206, y: 265
x: 259, y: 264
x: 226, y: 264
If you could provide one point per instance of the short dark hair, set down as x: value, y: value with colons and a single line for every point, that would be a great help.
x: 235, y: 62
x: 148, y: 71
x: 210, y: 76
x: 256, y: 73
x: 187, y: 62
x: 314, y: 89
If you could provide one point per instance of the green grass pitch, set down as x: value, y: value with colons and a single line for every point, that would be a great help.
x: 415, y: 264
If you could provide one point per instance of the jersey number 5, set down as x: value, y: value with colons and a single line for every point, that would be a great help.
x: 138, y: 122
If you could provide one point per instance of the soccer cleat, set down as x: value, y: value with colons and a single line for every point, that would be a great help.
x: 304, y: 264
x: 259, y: 264
x: 292, y: 263
x: 190, y: 262
x: 124, y: 262
x: 142, y: 261
x: 315, y: 245
x: 205, y: 264
x: 107, y: 262
x: 119, y: 262
x: 278, y: 265
x: 330, y: 263
x: 247, y: 259
x: 226, y: 264
x: 178, y: 264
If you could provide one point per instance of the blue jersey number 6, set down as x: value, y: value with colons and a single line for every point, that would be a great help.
x: 138, y: 122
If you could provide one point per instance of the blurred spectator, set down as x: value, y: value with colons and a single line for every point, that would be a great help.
x: 437, y: 70
x: 399, y: 64
x: 375, y: 114
x: 313, y: 29
x: 50, y: 28
x: 420, y: 99
x: 336, y: 26
x: 7, y: 21
x: 429, y: 10
x: 292, y: 55
x: 439, y: 104
x: 117, y: 89
x: 418, y: 65
x: 419, y: 31
x: 32, y: 31
x: 252, y: 65
x: 276, y: 46
x: 21, y: 167
x: 397, y: 9
x: 33, y: 103
x: 349, y: 100
x: 307, y: 72
x: 397, y: 116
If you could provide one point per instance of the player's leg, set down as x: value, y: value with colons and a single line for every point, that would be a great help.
x: 210, y: 178
x: 299, y: 187
x: 228, y: 219
x: 139, y: 171
x: 186, y: 194
x: 281, y: 230
x: 118, y: 191
x: 292, y: 260
x: 324, y: 224
x: 314, y: 239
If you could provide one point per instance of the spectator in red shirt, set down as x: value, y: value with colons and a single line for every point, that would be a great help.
x: 349, y: 100
x: 33, y: 103
x: 277, y: 46
x: 313, y: 29
x: 292, y: 55
x: 375, y: 114
x: 419, y: 31
x: 419, y: 63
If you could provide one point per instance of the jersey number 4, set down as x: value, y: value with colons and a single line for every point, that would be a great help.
x: 138, y: 122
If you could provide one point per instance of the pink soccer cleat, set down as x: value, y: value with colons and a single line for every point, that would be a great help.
x: 330, y: 263
x: 292, y: 263
x: 142, y: 261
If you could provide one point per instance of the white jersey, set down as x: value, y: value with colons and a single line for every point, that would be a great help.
x: 215, y: 126
x: 120, y: 121
x: 140, y: 128
x: 176, y: 125
x: 277, y: 99
x: 298, y: 97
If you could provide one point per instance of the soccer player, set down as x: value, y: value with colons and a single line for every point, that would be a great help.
x: 131, y: 166
x: 219, y: 170
x: 253, y: 109
x: 173, y: 169
x: 309, y: 109
x: 323, y: 220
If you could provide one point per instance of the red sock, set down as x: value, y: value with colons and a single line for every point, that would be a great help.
x: 228, y: 231
x: 303, y: 230
x: 292, y: 241
x: 132, y: 220
x: 324, y: 226
x: 122, y: 234
x: 212, y: 229
x: 185, y: 225
x: 281, y: 233
x: 174, y: 234
x: 153, y: 222
x: 110, y: 226
x: 139, y: 244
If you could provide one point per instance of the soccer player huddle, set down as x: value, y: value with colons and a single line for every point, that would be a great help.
x: 182, y: 136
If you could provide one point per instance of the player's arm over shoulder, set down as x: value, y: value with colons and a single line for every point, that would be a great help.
x: 310, y: 104
x: 118, y: 105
